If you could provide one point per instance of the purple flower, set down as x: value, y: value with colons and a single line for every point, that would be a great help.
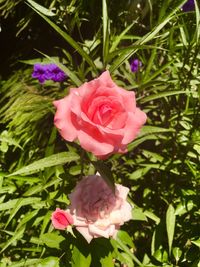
x: 135, y: 65
x: 39, y: 72
x: 48, y: 72
x: 188, y: 6
x: 55, y: 73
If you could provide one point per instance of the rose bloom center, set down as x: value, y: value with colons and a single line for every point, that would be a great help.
x: 97, y: 203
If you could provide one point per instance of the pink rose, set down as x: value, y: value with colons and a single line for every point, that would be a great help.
x: 96, y: 210
x: 101, y: 115
x: 61, y: 219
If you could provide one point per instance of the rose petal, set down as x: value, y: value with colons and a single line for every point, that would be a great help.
x: 95, y: 231
x: 133, y: 125
x: 85, y: 233
x: 91, y: 143
x: 123, y: 191
x: 63, y: 120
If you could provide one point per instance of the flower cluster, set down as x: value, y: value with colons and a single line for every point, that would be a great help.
x: 104, y: 118
x: 44, y: 72
x: 188, y: 6
x: 95, y: 209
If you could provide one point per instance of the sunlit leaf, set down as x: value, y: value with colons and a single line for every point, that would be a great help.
x: 53, y: 160
x: 52, y: 240
x: 170, y: 225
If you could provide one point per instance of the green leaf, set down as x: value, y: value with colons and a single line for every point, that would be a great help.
x: 41, y: 9
x: 53, y: 160
x: 138, y: 141
x: 105, y: 173
x: 139, y: 173
x: 120, y: 37
x: 162, y: 94
x: 176, y: 253
x: 170, y: 225
x: 68, y: 38
x: 125, y: 237
x: 27, y: 217
x: 152, y: 216
x: 26, y: 262
x: 5, y: 137
x: 107, y: 261
x: 80, y: 259
x: 105, y: 31
x: 40, y: 187
x: 8, y: 205
x: 138, y: 215
x: 49, y: 262
x: 183, y: 208
x: 52, y: 240
x: 196, y: 242
x: 20, y: 203
x: 126, y: 249
x: 145, y: 39
x: 17, y: 235
x: 127, y: 260
x: 146, y: 130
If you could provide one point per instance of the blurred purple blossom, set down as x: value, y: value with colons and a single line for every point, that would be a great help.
x: 55, y: 73
x: 135, y: 65
x: 188, y: 6
x: 39, y: 72
x: 48, y: 72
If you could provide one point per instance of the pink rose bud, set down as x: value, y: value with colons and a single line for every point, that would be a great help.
x: 61, y: 219
x: 102, y: 116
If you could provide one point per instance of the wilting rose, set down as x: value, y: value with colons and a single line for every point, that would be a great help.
x: 61, y: 219
x: 101, y: 115
x: 97, y: 211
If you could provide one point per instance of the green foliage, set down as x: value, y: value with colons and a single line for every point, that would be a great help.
x: 161, y: 168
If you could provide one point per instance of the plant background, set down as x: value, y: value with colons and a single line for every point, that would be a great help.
x: 38, y: 169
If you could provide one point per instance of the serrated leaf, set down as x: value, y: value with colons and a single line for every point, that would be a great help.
x: 107, y: 261
x: 79, y: 259
x: 170, y: 225
x: 53, y: 160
